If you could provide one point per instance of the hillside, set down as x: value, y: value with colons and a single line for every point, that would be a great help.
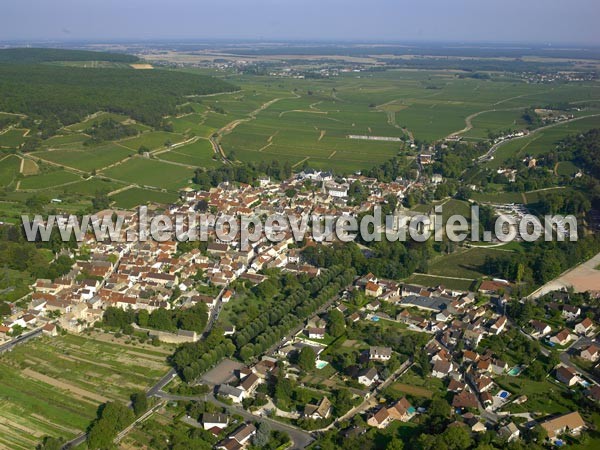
x: 68, y: 94
x: 39, y: 55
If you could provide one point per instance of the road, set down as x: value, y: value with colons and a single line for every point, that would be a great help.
x: 563, y: 281
x: 20, y: 340
x: 490, y: 153
x: 152, y: 392
x: 300, y: 438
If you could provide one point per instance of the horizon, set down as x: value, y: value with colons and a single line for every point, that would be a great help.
x: 512, y: 22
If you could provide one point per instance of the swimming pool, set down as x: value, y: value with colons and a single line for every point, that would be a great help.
x: 515, y: 371
x: 503, y: 394
x: 321, y: 364
x: 375, y: 319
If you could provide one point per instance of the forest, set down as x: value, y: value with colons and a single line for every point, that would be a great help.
x: 67, y: 95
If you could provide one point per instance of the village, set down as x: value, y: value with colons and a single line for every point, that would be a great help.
x: 356, y: 359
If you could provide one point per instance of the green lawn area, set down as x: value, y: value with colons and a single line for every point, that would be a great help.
x: 48, y: 179
x: 424, y: 280
x: 150, y: 172
x: 465, y: 263
x: 544, y: 397
x: 135, y: 196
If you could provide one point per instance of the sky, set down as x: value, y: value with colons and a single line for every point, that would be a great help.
x: 530, y: 21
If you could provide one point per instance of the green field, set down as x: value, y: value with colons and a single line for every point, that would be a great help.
x: 311, y: 119
x: 12, y: 138
x: 450, y: 283
x: 53, y: 386
x: 152, y: 140
x: 199, y: 153
x: 149, y: 172
x: 9, y: 169
x: 465, y: 263
x: 542, y: 141
x: 135, y: 196
x: 87, y: 158
x: 495, y: 122
x: 96, y: 118
x: 48, y: 179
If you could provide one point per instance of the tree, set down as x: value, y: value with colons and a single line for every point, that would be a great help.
x: 139, y: 403
x: 262, y: 436
x: 457, y: 438
x: 336, y: 325
x: 142, y: 318
x: 113, y: 418
x: 51, y: 443
x: 307, y: 358
x: 395, y: 444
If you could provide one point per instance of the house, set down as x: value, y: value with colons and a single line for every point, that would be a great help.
x: 499, y: 325
x: 249, y: 384
x: 227, y: 296
x: 373, y: 289
x: 368, y: 376
x: 443, y: 316
x: 373, y: 306
x: 571, y: 423
x: 540, y: 329
x: 49, y: 330
x: 561, y: 338
x: 236, y: 395
x: 493, y: 286
x: 320, y: 411
x: 380, y: 353
x: 585, y: 327
x: 499, y: 366
x: 594, y: 393
x: 316, y: 333
x: 402, y: 410
x: 509, y: 432
x: 571, y: 312
x: 243, y: 433
x: 380, y: 419
x: 464, y: 400
x: 441, y: 369
x: 210, y: 421
x: 566, y: 375
x: 591, y: 353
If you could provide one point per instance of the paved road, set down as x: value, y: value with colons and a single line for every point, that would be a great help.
x: 160, y: 384
x: 20, y: 340
x: 490, y: 153
x: 300, y: 438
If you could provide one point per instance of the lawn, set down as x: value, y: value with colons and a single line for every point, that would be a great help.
x: 543, y: 397
x: 53, y: 386
x: 426, y: 280
x: 465, y: 263
x: 150, y: 172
